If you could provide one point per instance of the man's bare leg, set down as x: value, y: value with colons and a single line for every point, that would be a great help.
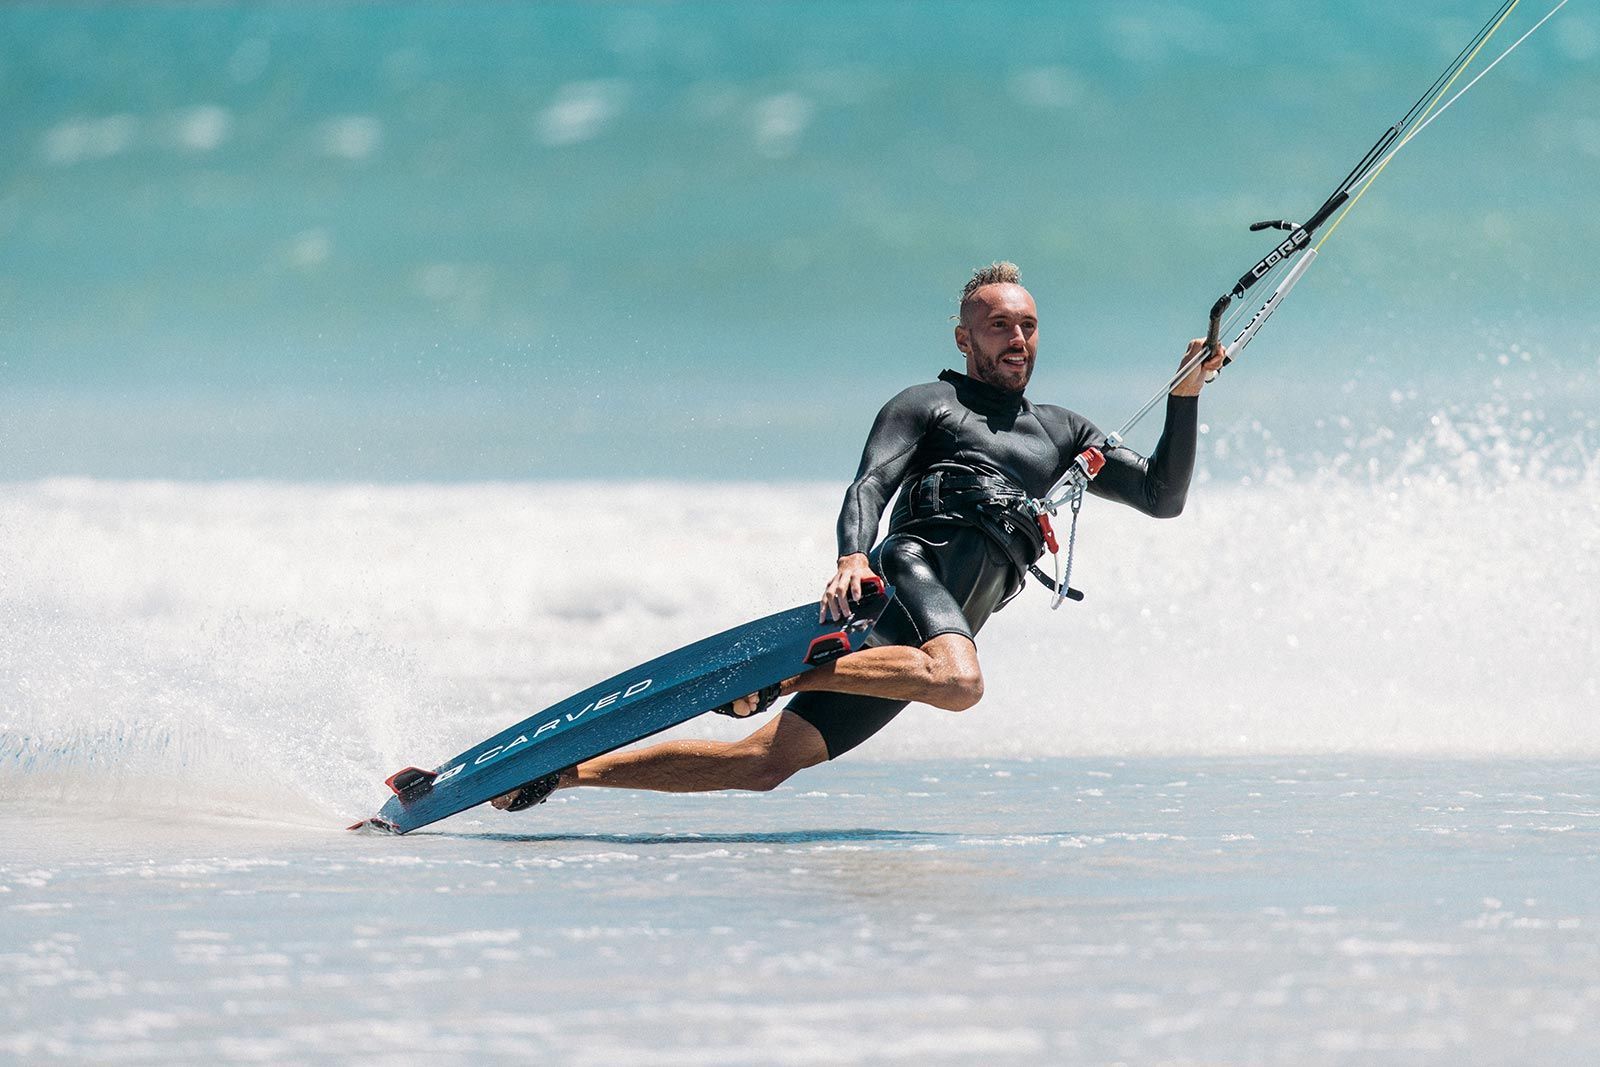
x: 944, y: 672
x: 760, y: 761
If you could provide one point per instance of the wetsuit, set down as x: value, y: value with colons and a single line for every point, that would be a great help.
x: 955, y: 557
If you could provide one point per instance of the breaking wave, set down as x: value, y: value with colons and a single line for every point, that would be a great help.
x: 233, y: 646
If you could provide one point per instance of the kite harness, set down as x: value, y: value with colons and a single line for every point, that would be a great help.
x: 1286, y: 264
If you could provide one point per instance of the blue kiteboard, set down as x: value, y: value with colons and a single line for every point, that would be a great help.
x: 631, y: 706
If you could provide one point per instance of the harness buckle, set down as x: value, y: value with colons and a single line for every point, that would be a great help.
x: 926, y: 499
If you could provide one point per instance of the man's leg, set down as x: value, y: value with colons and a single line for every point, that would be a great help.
x: 760, y: 761
x: 944, y: 672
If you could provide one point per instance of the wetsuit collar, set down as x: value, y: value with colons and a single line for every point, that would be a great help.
x: 982, y: 397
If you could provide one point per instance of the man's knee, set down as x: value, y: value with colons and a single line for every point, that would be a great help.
x: 956, y: 672
x: 764, y: 769
x: 771, y: 772
x: 772, y: 755
x: 964, y: 686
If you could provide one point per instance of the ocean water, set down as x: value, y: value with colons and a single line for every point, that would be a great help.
x: 1329, y: 910
x: 183, y: 632
x: 451, y: 242
x: 373, y: 376
x: 1309, y: 777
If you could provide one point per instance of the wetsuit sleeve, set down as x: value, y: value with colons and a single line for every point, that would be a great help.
x: 1159, y: 485
x: 890, y: 449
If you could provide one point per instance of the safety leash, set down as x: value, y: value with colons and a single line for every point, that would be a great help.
x: 1084, y: 467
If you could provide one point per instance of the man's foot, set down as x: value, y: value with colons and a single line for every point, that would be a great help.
x: 529, y: 793
x: 754, y: 704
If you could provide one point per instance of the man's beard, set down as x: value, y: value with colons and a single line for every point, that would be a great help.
x: 995, y: 372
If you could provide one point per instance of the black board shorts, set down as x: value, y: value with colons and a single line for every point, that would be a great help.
x: 948, y: 578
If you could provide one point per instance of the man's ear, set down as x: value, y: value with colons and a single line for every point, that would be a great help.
x: 963, y: 340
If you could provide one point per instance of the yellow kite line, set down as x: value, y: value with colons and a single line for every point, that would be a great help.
x: 1429, y: 114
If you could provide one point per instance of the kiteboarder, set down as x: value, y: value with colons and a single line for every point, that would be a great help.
x: 966, y: 453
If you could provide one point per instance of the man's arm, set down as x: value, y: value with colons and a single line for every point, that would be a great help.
x: 1159, y: 485
x: 891, y: 446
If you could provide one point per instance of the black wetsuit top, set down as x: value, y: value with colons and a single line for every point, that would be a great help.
x: 950, y: 570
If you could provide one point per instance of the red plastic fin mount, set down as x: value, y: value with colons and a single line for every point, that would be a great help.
x: 410, y: 781
x: 871, y: 587
x: 826, y: 647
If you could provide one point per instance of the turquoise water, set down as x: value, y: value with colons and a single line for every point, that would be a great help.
x: 504, y: 241
x: 1336, y: 911
x: 352, y: 363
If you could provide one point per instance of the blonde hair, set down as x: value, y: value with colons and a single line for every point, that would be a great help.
x: 1000, y: 272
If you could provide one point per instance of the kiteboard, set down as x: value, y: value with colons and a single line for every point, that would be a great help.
x: 633, y: 705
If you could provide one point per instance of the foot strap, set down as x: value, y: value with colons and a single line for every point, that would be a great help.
x: 767, y: 697
x: 535, y: 792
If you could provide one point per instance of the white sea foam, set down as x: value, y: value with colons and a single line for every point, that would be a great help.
x: 779, y: 122
x: 581, y: 111
x: 205, y: 644
x: 202, y: 128
x: 89, y: 138
x: 353, y: 137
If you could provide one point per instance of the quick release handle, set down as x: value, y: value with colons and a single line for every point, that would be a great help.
x: 1090, y: 461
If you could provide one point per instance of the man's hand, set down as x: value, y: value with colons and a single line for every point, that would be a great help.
x: 1196, y: 379
x: 844, y: 587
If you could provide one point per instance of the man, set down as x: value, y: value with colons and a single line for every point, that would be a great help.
x: 963, y: 452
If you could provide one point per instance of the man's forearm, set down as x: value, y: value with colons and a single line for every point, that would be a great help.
x: 1172, y: 462
x: 1159, y: 485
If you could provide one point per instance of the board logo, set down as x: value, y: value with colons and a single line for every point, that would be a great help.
x: 1292, y: 242
x: 555, y: 722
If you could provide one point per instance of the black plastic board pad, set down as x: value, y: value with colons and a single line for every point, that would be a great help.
x: 633, y: 705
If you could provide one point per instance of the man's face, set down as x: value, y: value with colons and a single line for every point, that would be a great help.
x: 999, y: 334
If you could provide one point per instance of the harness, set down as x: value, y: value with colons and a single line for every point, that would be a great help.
x: 1017, y: 523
